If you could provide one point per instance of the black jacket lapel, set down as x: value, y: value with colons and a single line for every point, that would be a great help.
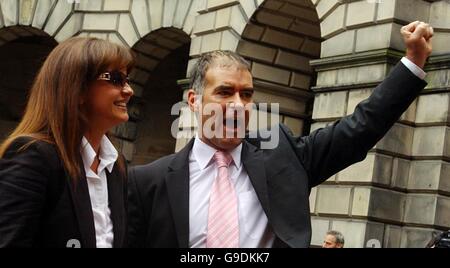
x: 116, y: 203
x: 177, y: 181
x: 253, y: 161
x: 83, y: 209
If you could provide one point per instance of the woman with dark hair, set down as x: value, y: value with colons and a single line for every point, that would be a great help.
x: 62, y: 182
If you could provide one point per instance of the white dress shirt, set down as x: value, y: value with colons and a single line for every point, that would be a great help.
x: 98, y: 188
x: 414, y: 68
x: 254, y: 230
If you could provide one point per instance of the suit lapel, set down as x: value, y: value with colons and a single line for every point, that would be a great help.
x: 116, y: 204
x: 83, y: 209
x: 177, y: 182
x: 253, y: 161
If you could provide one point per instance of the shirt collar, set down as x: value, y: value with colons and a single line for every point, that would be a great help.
x: 203, y: 153
x: 107, y: 155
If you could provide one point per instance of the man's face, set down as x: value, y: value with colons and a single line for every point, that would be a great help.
x: 330, y: 242
x: 228, y: 89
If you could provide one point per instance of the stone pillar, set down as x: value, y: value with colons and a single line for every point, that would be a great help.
x: 398, y: 195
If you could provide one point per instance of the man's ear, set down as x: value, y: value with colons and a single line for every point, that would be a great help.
x: 193, y: 100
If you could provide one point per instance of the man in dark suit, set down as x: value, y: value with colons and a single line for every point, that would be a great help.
x: 225, y: 191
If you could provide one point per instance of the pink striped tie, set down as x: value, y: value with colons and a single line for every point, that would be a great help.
x: 223, y: 220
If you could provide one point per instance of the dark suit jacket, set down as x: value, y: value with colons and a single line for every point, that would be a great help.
x: 41, y: 206
x: 282, y: 177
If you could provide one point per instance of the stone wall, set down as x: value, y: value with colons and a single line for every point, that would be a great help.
x: 398, y: 194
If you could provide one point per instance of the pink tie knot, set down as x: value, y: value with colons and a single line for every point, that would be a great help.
x: 223, y: 159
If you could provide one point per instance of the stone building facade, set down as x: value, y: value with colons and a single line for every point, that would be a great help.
x: 316, y: 58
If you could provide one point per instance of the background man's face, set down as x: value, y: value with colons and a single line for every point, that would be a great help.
x: 330, y: 242
x: 227, y: 85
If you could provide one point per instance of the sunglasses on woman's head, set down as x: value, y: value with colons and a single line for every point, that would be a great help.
x: 115, y: 77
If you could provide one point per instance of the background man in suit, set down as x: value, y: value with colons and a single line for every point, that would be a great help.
x: 225, y: 191
x: 333, y: 239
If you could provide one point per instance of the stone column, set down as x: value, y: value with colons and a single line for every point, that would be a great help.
x: 398, y: 195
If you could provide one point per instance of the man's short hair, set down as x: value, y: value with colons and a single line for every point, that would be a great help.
x: 207, y: 60
x: 338, y: 235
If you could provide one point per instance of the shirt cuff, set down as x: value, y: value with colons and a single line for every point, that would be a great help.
x: 414, y: 68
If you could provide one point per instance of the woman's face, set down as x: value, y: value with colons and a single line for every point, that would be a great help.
x: 106, y: 100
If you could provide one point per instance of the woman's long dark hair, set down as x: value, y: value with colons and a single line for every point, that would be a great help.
x: 53, y: 113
